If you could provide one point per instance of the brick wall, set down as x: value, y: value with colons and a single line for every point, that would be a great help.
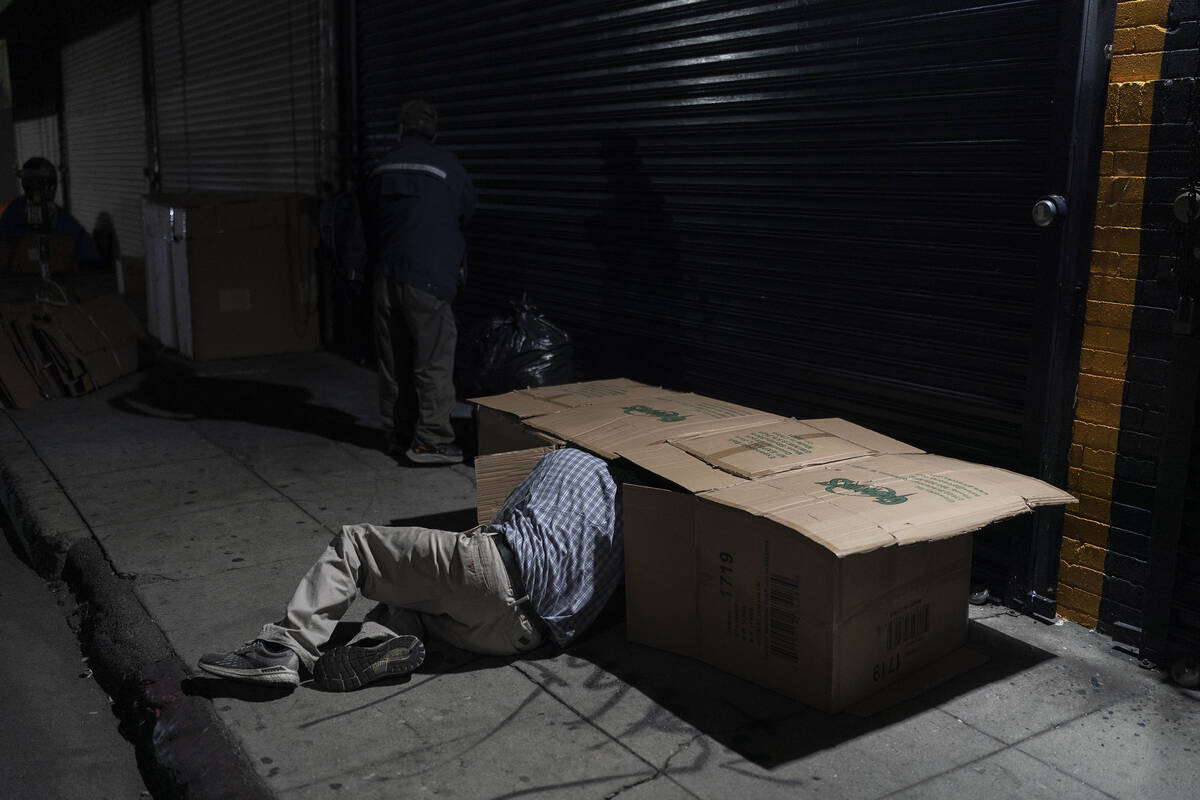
x: 1127, y: 341
x: 1104, y: 362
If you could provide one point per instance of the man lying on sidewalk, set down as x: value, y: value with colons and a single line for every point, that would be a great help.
x: 545, y: 565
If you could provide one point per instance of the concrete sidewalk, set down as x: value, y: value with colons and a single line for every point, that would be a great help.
x: 182, y: 507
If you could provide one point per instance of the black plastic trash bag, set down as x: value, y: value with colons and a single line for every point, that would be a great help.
x: 515, y: 351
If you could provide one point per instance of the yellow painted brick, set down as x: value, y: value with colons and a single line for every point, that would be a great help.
x: 1126, y: 239
x: 1119, y: 215
x: 1074, y: 601
x: 1102, y: 461
x: 1083, y: 481
x: 1098, y: 387
x: 1136, y: 67
x: 1101, y: 337
x: 1113, y: 288
x: 1102, y: 362
x: 1089, y: 580
x: 1104, y: 262
x: 1129, y: 162
x: 1124, y: 41
x: 1075, y: 456
x: 1097, y: 509
x: 1135, y: 103
x: 1135, y: 13
x: 1088, y: 531
x: 1085, y: 555
x: 1122, y: 189
x: 1108, y: 315
x: 1098, y: 412
x: 1129, y: 265
x: 1108, y: 163
x: 1127, y: 137
x: 1097, y: 437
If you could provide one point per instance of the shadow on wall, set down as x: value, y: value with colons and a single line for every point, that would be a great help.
x: 104, y: 234
x: 642, y: 283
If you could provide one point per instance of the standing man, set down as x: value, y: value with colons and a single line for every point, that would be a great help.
x: 422, y: 200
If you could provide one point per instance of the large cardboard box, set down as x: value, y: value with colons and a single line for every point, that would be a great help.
x: 816, y: 557
x: 231, y: 275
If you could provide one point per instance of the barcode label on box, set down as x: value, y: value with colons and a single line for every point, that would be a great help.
x: 782, y: 634
x: 908, y: 626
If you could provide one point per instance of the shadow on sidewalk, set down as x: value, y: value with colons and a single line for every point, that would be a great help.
x: 177, y: 392
x: 761, y: 726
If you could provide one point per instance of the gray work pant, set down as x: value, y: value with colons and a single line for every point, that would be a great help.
x: 451, y: 585
x: 415, y: 337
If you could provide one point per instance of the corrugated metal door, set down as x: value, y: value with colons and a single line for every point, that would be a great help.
x: 37, y: 137
x: 104, y: 118
x: 237, y: 94
x: 818, y: 208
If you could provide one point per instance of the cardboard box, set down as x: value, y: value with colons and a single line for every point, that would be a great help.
x: 816, y: 557
x: 231, y: 275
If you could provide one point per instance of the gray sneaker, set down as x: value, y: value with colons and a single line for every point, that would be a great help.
x: 255, y: 662
x: 352, y: 666
x: 421, y: 453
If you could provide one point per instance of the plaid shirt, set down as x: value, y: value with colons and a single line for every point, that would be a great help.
x: 563, y: 523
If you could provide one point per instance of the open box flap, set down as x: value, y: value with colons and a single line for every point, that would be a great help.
x: 865, y: 503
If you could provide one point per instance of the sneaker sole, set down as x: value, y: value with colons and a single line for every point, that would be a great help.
x: 431, y: 458
x: 350, y: 667
x: 275, y: 676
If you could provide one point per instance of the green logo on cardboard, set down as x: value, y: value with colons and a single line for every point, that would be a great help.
x: 882, y: 494
x: 647, y: 411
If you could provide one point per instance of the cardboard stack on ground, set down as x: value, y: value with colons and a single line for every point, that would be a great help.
x: 815, y: 557
x: 64, y: 349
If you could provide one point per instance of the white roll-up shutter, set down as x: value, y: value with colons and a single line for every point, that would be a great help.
x: 104, y: 120
x: 37, y: 137
x: 237, y: 94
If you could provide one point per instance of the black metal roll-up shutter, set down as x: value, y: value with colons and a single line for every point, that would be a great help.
x: 104, y: 117
x: 816, y: 208
x: 237, y: 94
x: 37, y: 137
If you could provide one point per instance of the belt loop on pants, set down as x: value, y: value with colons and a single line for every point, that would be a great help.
x: 509, y: 559
x: 521, y: 597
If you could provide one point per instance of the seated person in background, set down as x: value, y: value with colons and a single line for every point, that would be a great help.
x: 34, y: 213
x: 543, y: 567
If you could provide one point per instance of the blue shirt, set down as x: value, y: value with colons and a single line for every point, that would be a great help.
x: 563, y: 523
x: 423, y: 198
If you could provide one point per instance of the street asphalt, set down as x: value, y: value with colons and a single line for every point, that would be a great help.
x: 182, y: 503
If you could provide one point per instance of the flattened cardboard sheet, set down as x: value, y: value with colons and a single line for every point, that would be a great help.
x: 520, y: 404
x: 573, y: 395
x: 864, y: 437
x: 680, y: 468
x: 865, y: 503
x: 644, y: 419
x: 779, y: 447
x: 536, y: 401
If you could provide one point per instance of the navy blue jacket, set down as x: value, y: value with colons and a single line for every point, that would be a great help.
x: 423, y: 198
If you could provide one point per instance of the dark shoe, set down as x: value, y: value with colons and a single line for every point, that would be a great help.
x: 255, y: 662
x: 423, y: 453
x: 351, y: 666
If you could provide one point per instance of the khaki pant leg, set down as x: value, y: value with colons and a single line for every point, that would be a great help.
x: 456, y: 582
x: 434, y: 335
